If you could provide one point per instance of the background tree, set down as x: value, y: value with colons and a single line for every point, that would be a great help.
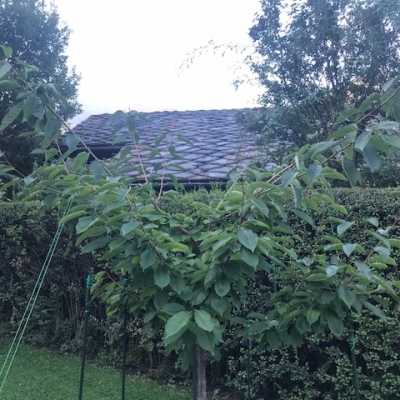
x: 317, y: 57
x: 35, y: 34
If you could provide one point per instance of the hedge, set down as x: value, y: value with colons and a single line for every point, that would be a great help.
x: 319, y: 369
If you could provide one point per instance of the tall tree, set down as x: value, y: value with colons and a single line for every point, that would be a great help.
x: 36, y: 35
x: 316, y: 57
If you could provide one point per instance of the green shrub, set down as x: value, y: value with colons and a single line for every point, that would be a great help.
x: 319, y: 369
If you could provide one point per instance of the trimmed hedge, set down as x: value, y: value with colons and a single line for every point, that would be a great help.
x: 319, y: 369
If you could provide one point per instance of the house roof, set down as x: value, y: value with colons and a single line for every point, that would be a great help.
x: 218, y: 142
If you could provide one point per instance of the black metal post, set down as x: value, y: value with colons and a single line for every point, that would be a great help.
x: 85, y: 330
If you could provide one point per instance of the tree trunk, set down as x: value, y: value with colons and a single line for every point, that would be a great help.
x: 200, y: 375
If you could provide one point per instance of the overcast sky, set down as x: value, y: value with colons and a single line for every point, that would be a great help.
x: 129, y: 53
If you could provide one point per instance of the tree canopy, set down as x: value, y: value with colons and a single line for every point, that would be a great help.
x: 316, y: 57
x: 37, y: 36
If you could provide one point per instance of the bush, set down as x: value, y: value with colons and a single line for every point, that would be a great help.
x: 319, y: 369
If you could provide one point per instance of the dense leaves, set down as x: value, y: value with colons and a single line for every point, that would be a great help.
x: 190, y: 271
x: 317, y: 58
x: 36, y: 35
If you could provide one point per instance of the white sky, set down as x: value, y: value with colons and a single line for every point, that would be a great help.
x: 129, y: 53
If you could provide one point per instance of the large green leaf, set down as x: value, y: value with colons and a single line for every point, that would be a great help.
x: 5, y: 69
x: 85, y: 223
x: 362, y: 140
x: 7, y: 85
x: 288, y: 177
x: 313, y: 315
x: 341, y: 228
x: 220, y: 305
x: 177, y: 323
x: 11, y: 116
x: 313, y: 172
x: 335, y: 323
x: 128, y: 227
x: 161, y: 277
x: 222, y: 286
x: 371, y: 157
x: 350, y: 170
x: 204, y: 320
x: 248, y: 257
x: 147, y: 258
x: 79, y: 161
x: 52, y: 130
x: 173, y: 308
x: 346, y: 294
x: 248, y: 238
x: 205, y: 340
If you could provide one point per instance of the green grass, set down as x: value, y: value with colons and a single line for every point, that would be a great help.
x: 41, y: 374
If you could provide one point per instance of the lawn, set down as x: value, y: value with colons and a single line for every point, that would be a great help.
x: 41, y: 374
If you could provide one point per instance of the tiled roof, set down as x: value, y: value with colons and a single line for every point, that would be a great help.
x: 219, y: 142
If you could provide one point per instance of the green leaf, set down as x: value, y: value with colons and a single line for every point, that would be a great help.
x: 302, y: 325
x: 248, y: 238
x: 52, y: 129
x: 363, y: 268
x: 148, y: 258
x: 129, y: 227
x: 10, y: 117
x: 205, y: 340
x: 260, y: 206
x: 96, y: 244
x: 97, y: 169
x: 7, y: 51
x: 350, y: 170
x: 161, y: 278
x: 288, y: 177
x: 316, y: 277
x: 5, y: 69
x: 348, y: 248
x: 222, y: 286
x: 249, y: 258
x: 160, y: 299
x: 371, y: 157
x: 347, y: 295
x: 177, y: 324
x: 149, y: 316
x: 199, y: 296
x: 345, y: 115
x: 335, y: 324
x: 204, y: 320
x: 392, y: 140
x: 220, y: 305
x: 362, y: 140
x: 341, y: 228
x: 373, y: 221
x: 79, y: 161
x: 7, y: 85
x: 313, y: 315
x: 177, y: 284
x: 331, y: 270
x: 85, y: 223
x: 346, y: 131
x: 313, y: 172
x: 304, y: 217
x: 173, y: 308
x: 375, y: 309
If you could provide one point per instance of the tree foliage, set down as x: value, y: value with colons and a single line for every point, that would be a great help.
x: 37, y: 36
x: 317, y: 57
x: 188, y: 271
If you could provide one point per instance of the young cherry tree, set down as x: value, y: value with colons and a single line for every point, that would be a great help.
x: 188, y: 270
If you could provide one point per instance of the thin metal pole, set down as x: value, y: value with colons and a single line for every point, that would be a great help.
x: 194, y: 377
x: 124, y: 351
x: 352, y: 344
x: 85, y: 330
